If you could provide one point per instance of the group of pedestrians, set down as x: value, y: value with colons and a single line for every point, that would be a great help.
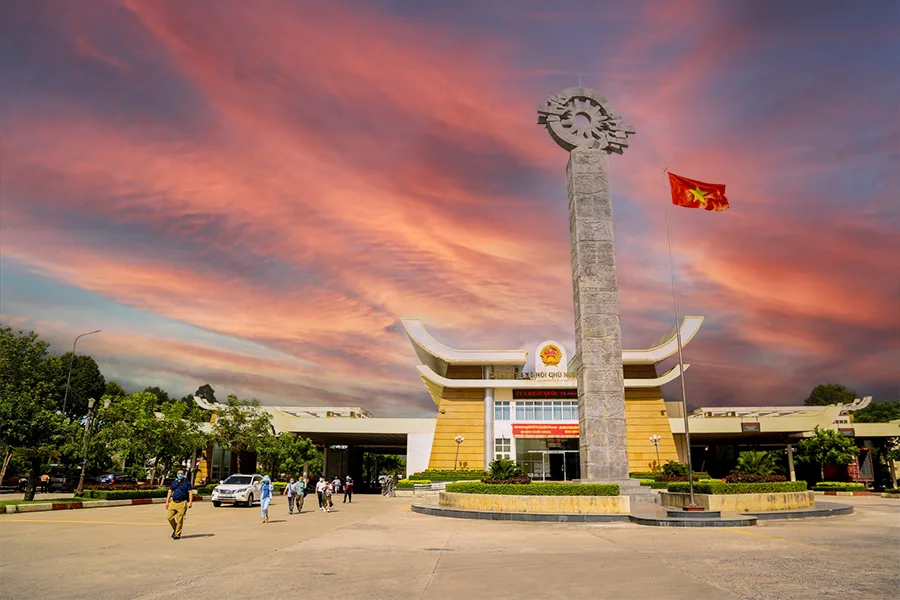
x: 180, y: 497
x: 326, y: 490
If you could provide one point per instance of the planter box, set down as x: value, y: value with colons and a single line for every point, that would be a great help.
x: 741, y: 502
x: 565, y: 505
x: 414, y: 493
x: 839, y: 493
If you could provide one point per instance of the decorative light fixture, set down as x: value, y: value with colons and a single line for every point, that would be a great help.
x: 459, y: 440
x: 654, y: 439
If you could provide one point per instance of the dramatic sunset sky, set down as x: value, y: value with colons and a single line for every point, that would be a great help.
x: 253, y: 194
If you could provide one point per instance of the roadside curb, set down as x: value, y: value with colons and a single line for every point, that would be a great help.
x: 818, y: 493
x: 43, y: 507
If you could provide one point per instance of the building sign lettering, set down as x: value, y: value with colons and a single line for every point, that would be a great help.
x: 545, y: 394
x: 545, y: 431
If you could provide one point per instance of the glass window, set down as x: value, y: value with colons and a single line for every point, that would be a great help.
x: 567, y: 413
x: 502, y: 447
x: 557, y: 411
x: 501, y: 411
x: 529, y: 411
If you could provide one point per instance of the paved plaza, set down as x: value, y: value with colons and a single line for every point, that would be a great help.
x: 378, y: 548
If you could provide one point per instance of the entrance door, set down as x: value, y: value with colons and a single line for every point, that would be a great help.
x: 557, y: 472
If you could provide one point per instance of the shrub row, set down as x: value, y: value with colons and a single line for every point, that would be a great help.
x: 753, y: 478
x: 535, y: 489
x: 657, y: 474
x: 644, y: 474
x: 408, y: 484
x: 716, y: 487
x: 839, y: 486
x: 655, y: 485
x: 122, y: 486
x: 524, y: 480
x: 125, y: 494
x: 443, y: 475
x: 892, y: 490
x: 205, y: 490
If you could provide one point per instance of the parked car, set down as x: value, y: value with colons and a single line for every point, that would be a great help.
x: 237, y: 489
x: 111, y: 478
x: 64, y: 480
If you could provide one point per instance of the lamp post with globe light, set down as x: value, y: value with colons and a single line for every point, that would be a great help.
x: 459, y: 440
x: 654, y: 439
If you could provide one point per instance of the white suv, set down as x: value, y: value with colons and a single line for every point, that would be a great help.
x: 237, y: 489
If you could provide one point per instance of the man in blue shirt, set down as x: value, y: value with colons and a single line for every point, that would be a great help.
x: 178, y: 500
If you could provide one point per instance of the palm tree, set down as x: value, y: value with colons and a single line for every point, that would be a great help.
x: 757, y: 463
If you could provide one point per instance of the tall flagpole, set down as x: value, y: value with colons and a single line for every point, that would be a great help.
x: 684, y: 410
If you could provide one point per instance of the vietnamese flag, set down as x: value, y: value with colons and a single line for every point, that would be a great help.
x: 696, y: 194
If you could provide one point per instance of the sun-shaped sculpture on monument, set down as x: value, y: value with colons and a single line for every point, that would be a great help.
x: 582, y: 118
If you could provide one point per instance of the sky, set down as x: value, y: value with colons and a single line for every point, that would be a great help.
x: 253, y: 194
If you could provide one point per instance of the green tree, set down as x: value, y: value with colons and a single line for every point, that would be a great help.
x: 206, y: 392
x: 878, y: 412
x: 827, y: 446
x: 297, y: 452
x: 130, y: 429
x: 239, y: 425
x: 114, y: 390
x: 30, y: 423
x: 757, y: 463
x: 162, y: 396
x: 830, y: 393
x: 86, y: 382
x: 177, y: 439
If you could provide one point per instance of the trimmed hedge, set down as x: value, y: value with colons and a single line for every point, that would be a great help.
x: 535, y: 489
x: 892, y: 490
x: 125, y: 494
x: 753, y: 478
x: 644, y: 474
x: 443, y: 475
x: 716, y: 487
x: 205, y: 490
x: 408, y: 484
x: 839, y: 486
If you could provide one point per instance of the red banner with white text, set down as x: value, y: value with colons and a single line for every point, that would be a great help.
x: 540, y: 430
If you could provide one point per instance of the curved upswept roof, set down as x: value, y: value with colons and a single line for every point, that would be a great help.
x: 437, y: 356
x: 438, y: 380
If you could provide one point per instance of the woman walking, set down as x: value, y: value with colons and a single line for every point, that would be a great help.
x: 265, y: 498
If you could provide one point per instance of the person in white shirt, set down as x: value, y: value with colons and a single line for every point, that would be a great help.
x: 320, y: 492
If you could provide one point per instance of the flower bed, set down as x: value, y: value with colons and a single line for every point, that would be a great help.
x: 122, y: 486
x: 839, y: 486
x: 535, y: 489
x: 126, y: 494
x: 716, y: 488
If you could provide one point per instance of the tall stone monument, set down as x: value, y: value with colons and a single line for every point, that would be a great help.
x: 584, y: 124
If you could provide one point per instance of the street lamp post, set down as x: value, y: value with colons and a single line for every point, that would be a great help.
x: 459, y: 440
x: 72, y: 360
x: 654, y: 439
x: 88, y: 427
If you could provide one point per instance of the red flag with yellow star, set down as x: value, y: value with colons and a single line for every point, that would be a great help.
x: 696, y: 194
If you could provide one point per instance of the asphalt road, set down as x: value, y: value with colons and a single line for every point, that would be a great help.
x: 377, y: 548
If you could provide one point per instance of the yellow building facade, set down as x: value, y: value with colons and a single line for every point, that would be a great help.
x: 489, y: 407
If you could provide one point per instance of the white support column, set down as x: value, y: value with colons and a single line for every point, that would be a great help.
x: 488, y: 420
x: 790, y: 455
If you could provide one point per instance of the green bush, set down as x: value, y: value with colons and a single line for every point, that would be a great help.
x: 278, y: 487
x: 125, y: 494
x: 535, y: 489
x: 447, y: 475
x: 757, y: 463
x: 716, y: 487
x: 655, y: 485
x: 205, y: 490
x: 503, y: 468
x: 408, y: 484
x: 892, y: 490
x: 839, y: 486
x: 644, y: 474
x: 675, y: 468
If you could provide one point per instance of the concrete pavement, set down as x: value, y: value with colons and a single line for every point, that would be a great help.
x: 377, y: 548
